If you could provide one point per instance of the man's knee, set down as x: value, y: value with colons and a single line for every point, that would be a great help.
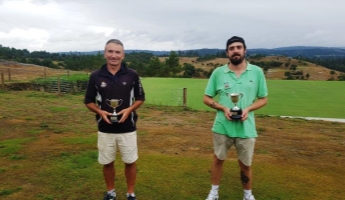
x: 130, y: 164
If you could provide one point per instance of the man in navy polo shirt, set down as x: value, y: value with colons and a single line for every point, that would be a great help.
x: 115, y: 81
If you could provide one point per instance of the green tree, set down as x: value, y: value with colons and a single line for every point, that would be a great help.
x: 173, y: 64
x: 341, y: 77
x: 189, y: 70
x: 46, y: 62
x: 155, y: 68
x: 138, y: 66
x: 34, y: 61
x: 293, y: 67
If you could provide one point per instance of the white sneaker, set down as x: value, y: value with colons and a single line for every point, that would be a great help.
x: 212, y: 196
x: 250, y: 198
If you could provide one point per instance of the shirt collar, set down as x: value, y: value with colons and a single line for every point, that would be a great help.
x: 227, y: 69
x: 104, y: 69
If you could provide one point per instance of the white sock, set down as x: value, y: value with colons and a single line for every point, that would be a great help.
x: 214, y: 189
x: 247, y: 193
x: 131, y: 194
x: 112, y: 192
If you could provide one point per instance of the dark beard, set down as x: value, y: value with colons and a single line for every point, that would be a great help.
x: 236, y: 61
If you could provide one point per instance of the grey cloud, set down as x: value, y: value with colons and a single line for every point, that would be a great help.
x: 81, y: 25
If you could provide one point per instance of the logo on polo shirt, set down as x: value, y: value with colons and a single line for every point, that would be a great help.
x: 226, y: 85
x: 103, y: 84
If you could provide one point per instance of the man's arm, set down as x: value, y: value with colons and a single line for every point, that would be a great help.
x: 127, y: 111
x: 259, y: 103
x: 213, y: 104
x: 102, y: 113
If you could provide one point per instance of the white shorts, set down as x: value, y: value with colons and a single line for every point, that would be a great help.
x: 108, y: 143
x: 244, y: 147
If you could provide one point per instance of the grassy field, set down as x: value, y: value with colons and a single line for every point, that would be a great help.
x: 48, y: 152
x: 288, y: 98
x: 310, y: 98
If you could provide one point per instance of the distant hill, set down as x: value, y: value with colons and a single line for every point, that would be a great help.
x: 316, y: 72
x: 293, y: 51
x: 304, y: 51
x: 27, y: 72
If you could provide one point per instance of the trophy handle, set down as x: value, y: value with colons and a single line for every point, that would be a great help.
x: 120, y: 102
x: 107, y: 100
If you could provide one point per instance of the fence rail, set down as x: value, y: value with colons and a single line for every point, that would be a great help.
x: 174, y: 97
x: 22, y: 74
x: 17, y: 76
x: 58, y: 85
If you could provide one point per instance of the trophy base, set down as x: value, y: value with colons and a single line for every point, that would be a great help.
x: 113, y: 118
x: 236, y: 117
x: 236, y: 114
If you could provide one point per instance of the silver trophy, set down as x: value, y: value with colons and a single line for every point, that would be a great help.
x: 236, y: 112
x: 114, y: 103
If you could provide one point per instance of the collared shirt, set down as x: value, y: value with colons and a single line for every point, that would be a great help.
x: 251, y: 83
x: 124, y: 85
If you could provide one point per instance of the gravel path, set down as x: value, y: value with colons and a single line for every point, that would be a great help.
x: 318, y: 118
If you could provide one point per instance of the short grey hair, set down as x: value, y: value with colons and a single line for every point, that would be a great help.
x: 116, y: 41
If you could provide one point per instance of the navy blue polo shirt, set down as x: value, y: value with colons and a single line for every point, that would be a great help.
x: 125, y: 85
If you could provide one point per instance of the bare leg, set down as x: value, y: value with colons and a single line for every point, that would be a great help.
x: 131, y: 175
x: 216, y: 172
x: 109, y: 175
x: 246, y: 176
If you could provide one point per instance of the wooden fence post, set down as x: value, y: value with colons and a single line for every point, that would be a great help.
x: 9, y: 74
x: 2, y: 81
x: 59, y: 86
x: 184, y: 97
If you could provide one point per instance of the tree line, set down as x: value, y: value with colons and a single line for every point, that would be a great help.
x: 146, y: 64
x: 330, y: 62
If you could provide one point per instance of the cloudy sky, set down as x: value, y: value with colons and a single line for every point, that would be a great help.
x: 86, y: 25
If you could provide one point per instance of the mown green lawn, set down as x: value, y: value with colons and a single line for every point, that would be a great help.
x: 287, y: 98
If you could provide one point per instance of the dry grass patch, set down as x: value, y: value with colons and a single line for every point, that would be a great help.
x: 26, y: 72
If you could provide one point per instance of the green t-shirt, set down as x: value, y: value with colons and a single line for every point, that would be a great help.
x: 251, y: 83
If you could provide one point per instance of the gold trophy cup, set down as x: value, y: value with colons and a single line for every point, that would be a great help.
x: 236, y: 112
x: 114, y: 103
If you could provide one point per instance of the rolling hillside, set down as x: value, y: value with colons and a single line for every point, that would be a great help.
x: 25, y: 72
x: 275, y: 73
x: 19, y: 72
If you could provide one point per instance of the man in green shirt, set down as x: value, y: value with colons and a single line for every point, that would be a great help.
x: 238, y: 76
